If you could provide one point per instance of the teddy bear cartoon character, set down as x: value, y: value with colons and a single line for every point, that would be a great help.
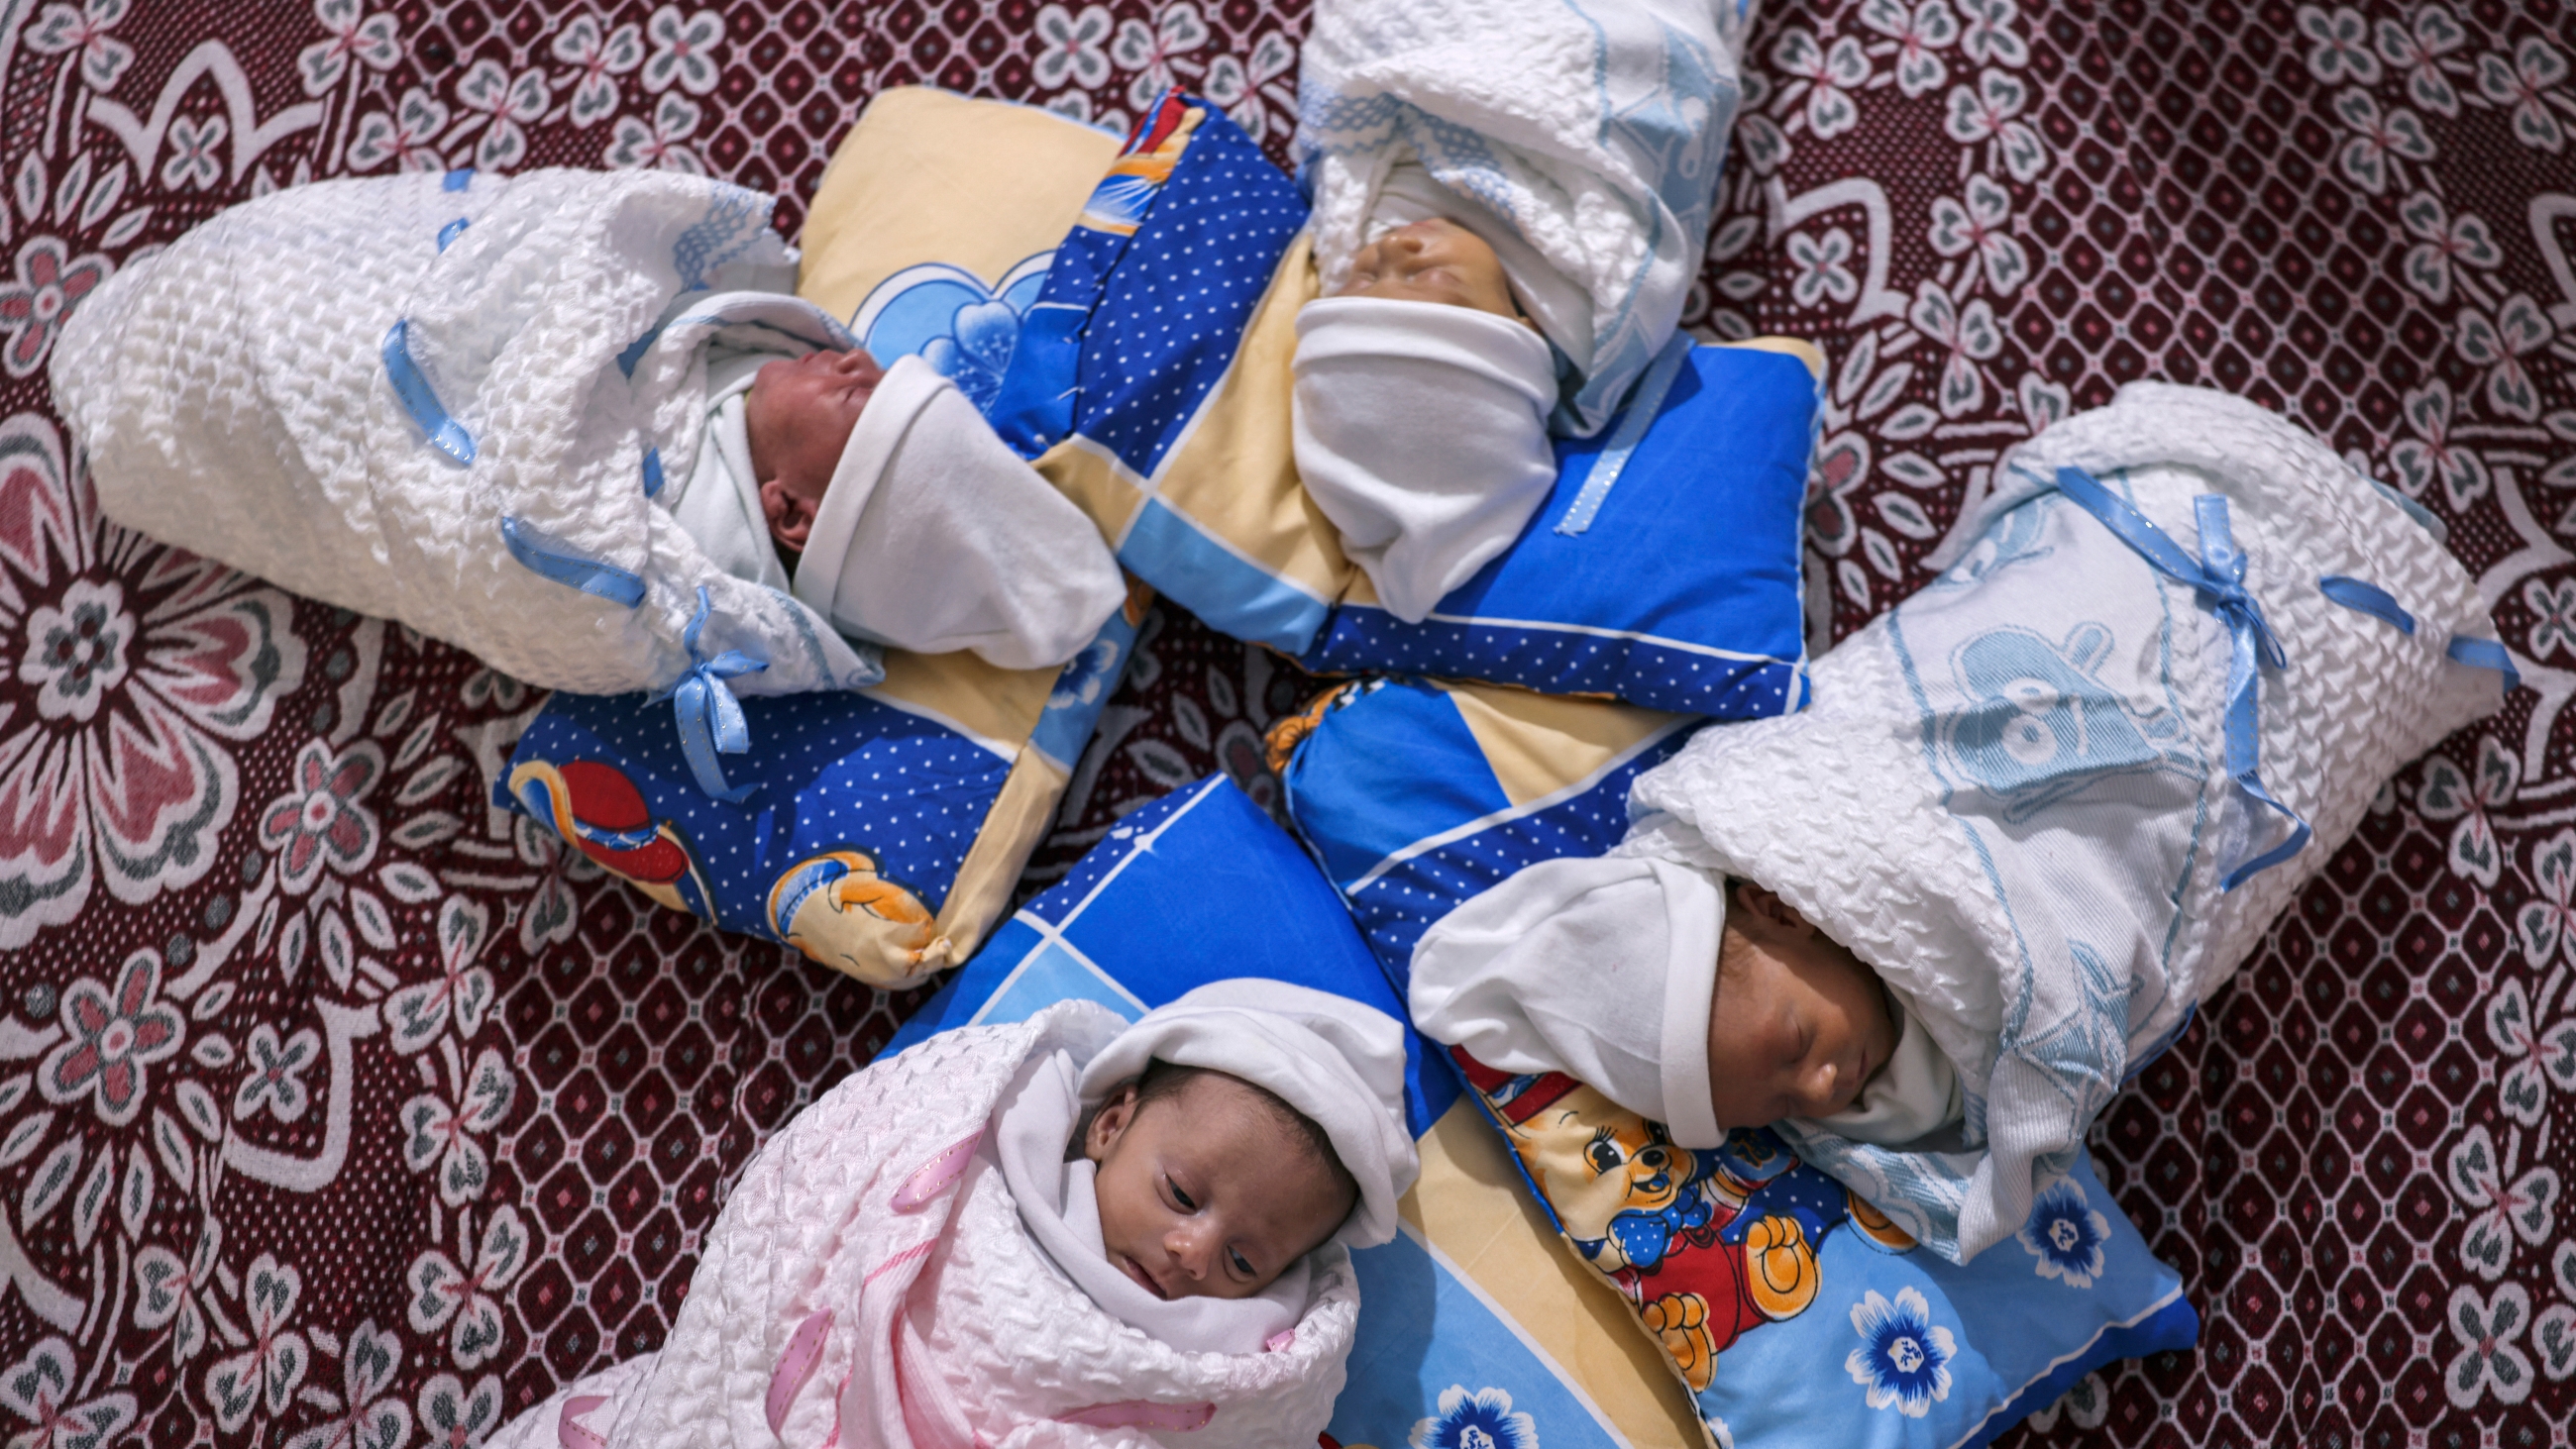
x: 1668, y: 1227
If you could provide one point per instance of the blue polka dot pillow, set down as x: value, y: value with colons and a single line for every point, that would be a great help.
x: 878, y: 831
x: 1147, y: 375
x: 1662, y: 570
x: 1790, y: 1310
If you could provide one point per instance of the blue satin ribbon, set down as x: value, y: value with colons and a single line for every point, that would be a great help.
x: 451, y: 232
x: 710, y: 718
x: 1613, y: 461
x: 2219, y: 577
x: 2486, y: 654
x: 652, y: 471
x: 456, y: 180
x: 420, y: 400
x: 2365, y: 597
x: 599, y: 580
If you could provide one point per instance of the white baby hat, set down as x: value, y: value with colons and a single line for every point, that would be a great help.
x: 1339, y: 1061
x: 1603, y: 968
x: 934, y: 536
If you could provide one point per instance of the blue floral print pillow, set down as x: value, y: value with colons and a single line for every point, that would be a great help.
x: 1792, y: 1311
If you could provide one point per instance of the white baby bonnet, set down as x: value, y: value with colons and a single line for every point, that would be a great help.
x: 1339, y: 1061
x: 1603, y: 968
x: 934, y: 536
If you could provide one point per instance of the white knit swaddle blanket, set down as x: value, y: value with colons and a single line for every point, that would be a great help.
x: 1592, y: 129
x: 2014, y: 798
x: 245, y: 395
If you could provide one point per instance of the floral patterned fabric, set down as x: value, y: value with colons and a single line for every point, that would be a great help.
x: 337, y: 1109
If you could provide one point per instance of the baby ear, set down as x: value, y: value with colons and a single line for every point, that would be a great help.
x: 1763, y: 902
x: 1109, y: 1122
x: 790, y: 515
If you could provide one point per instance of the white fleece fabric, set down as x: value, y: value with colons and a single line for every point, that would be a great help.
x: 934, y: 536
x: 717, y: 501
x: 1605, y: 969
x: 1420, y: 430
x: 1339, y: 1061
x: 871, y: 1281
x: 233, y: 396
x: 1060, y: 1204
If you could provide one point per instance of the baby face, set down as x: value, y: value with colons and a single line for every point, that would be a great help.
x: 799, y: 414
x: 1434, y: 260
x: 1206, y: 1193
x: 1798, y: 1025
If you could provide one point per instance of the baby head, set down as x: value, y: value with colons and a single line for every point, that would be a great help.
x: 1433, y: 260
x: 799, y: 414
x: 1699, y: 1002
x: 1210, y: 1186
x: 1797, y: 1024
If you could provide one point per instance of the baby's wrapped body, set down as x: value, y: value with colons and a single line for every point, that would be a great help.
x: 453, y: 401
x: 918, y: 1261
x: 2051, y: 802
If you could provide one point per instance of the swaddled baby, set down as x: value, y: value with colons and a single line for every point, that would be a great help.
x: 1183, y: 1174
x: 909, y: 522
x: 1697, y: 1001
x: 1067, y: 1231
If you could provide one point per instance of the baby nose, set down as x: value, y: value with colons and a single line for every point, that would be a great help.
x: 1191, y: 1248
x: 1823, y: 1090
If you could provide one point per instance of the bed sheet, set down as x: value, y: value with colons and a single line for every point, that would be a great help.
x: 336, y: 1109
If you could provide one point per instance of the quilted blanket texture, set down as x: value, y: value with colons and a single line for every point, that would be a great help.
x: 448, y: 400
x: 873, y: 1242
x: 337, y: 1109
x: 1594, y: 129
x: 2057, y: 796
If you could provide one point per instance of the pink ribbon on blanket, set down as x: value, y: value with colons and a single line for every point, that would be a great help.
x: 1142, y: 1414
x: 572, y: 1435
x: 796, y: 1365
x: 935, y: 1178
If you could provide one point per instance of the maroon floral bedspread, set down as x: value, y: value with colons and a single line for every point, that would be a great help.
x: 341, y: 1111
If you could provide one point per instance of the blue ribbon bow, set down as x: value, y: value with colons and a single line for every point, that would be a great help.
x: 710, y: 718
x: 2219, y: 577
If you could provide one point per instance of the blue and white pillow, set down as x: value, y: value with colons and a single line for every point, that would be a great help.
x: 1662, y: 570
x: 1417, y: 796
x: 1457, y: 1336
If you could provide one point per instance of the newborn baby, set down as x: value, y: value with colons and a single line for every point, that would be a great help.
x: 1421, y: 407
x: 1184, y: 1197
x: 1701, y: 1003
x: 906, y: 519
x: 1208, y: 1186
x: 1064, y: 1231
